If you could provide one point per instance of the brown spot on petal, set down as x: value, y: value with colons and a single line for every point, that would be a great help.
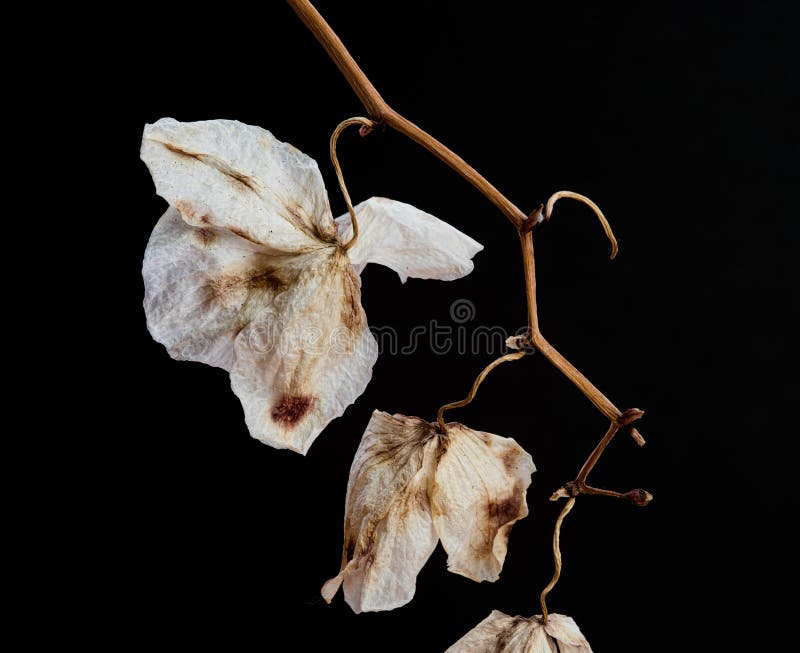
x: 225, y: 285
x: 180, y: 152
x: 509, y: 459
x: 204, y: 237
x: 506, y: 509
x: 243, y: 234
x: 290, y: 409
x: 352, y: 316
x: 505, y: 636
x: 189, y: 214
x: 243, y: 179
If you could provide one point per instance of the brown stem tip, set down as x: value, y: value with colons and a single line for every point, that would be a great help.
x: 639, y: 497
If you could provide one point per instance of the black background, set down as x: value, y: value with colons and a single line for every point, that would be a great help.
x: 676, y: 119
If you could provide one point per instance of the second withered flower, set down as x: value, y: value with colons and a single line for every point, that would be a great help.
x: 411, y: 486
x: 499, y: 633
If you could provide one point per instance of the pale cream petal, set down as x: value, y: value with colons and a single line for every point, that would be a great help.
x: 566, y: 631
x: 203, y: 286
x: 227, y: 174
x: 388, y: 530
x: 411, y: 242
x: 479, y: 494
x: 498, y: 633
x: 539, y: 641
x: 300, y: 364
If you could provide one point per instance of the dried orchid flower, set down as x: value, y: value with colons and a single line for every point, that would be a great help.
x: 248, y: 271
x: 499, y: 633
x: 410, y: 486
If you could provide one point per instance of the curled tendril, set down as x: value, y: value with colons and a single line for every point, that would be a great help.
x: 366, y: 127
x: 582, y: 198
x: 475, y: 386
x: 556, y: 558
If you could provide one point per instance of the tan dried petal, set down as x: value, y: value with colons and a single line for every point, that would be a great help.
x: 409, y: 241
x: 481, y: 481
x: 224, y: 173
x: 392, y: 524
x: 388, y: 529
x: 499, y: 633
x: 300, y: 364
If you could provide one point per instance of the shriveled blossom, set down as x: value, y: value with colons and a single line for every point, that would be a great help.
x: 411, y: 486
x: 247, y: 271
x: 499, y: 633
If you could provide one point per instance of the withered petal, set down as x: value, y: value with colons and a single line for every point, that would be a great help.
x: 223, y: 173
x: 566, y: 631
x: 409, y: 241
x: 388, y: 530
x: 499, y: 633
x: 300, y: 364
x: 203, y: 286
x: 479, y: 494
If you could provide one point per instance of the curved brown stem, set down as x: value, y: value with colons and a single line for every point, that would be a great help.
x: 475, y: 386
x: 381, y: 112
x: 582, y: 198
x: 364, y: 123
x: 594, y: 395
x: 556, y: 558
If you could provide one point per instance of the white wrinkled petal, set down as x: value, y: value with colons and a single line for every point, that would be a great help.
x: 409, y: 241
x: 389, y: 534
x: 481, y: 481
x: 300, y: 365
x: 499, y: 633
x: 202, y: 287
x: 566, y: 631
x: 227, y: 174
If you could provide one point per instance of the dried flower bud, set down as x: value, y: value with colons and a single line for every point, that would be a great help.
x: 639, y: 497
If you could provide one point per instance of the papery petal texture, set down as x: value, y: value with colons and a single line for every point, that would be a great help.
x: 227, y: 174
x: 479, y: 494
x: 410, y: 485
x: 389, y: 533
x: 566, y: 631
x: 409, y: 241
x: 245, y: 271
x: 499, y: 633
x: 303, y: 362
x: 204, y: 285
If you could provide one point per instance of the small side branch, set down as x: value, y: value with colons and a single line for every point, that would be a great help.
x: 637, y: 497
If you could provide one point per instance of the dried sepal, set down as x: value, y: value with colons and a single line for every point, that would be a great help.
x: 409, y: 241
x: 389, y: 533
x: 499, y: 633
x: 226, y: 174
x: 479, y: 494
x: 409, y: 486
